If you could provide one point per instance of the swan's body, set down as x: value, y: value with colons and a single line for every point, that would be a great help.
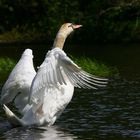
x: 17, y: 86
x: 53, y: 85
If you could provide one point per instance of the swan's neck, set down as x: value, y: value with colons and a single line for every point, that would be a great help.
x: 59, y: 41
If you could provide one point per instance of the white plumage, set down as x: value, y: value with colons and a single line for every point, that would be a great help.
x: 17, y: 86
x: 53, y: 86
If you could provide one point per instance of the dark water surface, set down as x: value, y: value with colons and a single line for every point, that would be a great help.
x: 111, y: 114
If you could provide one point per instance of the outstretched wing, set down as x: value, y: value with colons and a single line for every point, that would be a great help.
x: 19, y: 81
x: 56, y: 69
x: 80, y: 78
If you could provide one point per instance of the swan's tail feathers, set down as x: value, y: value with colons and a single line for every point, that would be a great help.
x: 12, y: 118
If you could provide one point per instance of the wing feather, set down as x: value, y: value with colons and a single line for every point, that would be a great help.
x: 80, y: 77
x: 56, y: 69
x: 19, y: 79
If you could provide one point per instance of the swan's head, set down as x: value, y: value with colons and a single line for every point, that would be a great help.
x: 67, y: 28
x: 27, y: 52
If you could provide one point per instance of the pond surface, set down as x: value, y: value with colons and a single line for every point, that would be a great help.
x: 113, y: 113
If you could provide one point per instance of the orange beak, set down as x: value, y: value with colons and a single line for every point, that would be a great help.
x: 74, y: 26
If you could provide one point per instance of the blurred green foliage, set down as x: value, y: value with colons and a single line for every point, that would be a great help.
x: 6, y: 66
x: 103, y: 20
x: 95, y: 67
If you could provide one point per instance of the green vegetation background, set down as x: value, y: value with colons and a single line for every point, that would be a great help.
x: 39, y: 20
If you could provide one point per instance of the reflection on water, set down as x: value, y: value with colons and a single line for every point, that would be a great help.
x: 113, y: 113
x: 24, y: 133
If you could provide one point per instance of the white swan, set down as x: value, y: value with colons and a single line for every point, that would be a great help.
x: 53, y: 86
x: 17, y: 86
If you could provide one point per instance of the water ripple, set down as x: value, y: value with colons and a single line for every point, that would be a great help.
x: 112, y: 113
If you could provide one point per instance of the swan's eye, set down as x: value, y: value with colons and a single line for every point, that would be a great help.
x: 71, y: 25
